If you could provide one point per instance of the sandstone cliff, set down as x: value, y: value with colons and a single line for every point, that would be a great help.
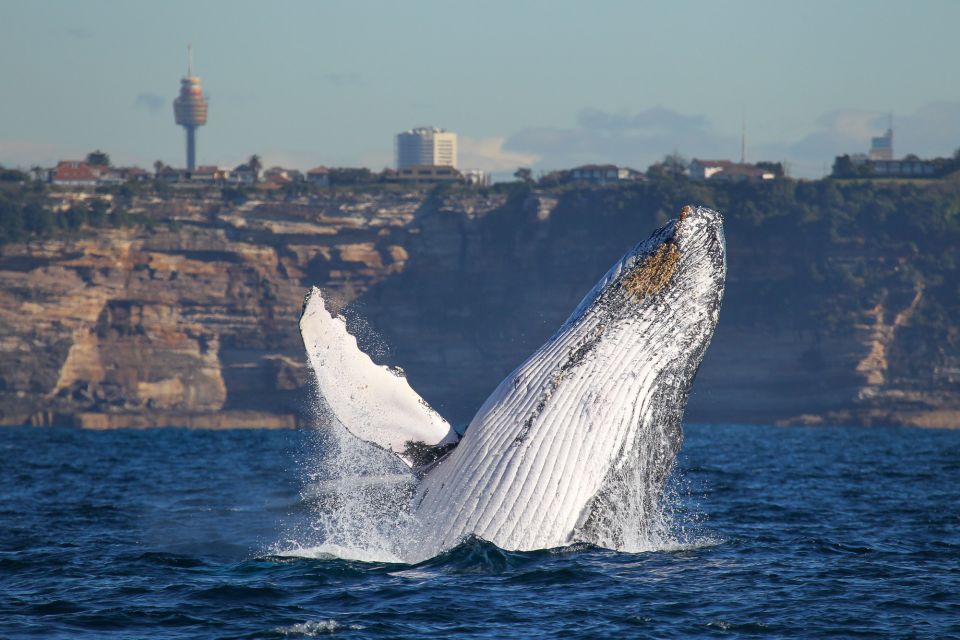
x: 192, y: 320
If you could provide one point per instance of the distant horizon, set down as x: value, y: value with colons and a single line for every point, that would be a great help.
x: 538, y: 85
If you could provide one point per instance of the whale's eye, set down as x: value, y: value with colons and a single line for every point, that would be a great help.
x: 654, y: 273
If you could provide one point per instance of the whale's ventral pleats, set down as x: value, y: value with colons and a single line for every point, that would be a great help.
x: 576, y: 443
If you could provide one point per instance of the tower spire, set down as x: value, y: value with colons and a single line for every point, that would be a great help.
x: 190, y: 109
x: 743, y: 139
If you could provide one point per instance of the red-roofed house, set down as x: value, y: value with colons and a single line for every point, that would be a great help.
x: 281, y: 176
x: 74, y: 173
x: 208, y: 173
x: 319, y: 176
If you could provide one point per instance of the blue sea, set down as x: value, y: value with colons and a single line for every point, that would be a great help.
x: 800, y: 532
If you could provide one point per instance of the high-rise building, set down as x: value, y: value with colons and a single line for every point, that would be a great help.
x: 426, y: 146
x: 190, y: 110
x: 881, y: 147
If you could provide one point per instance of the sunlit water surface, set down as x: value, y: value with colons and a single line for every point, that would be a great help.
x: 806, y: 532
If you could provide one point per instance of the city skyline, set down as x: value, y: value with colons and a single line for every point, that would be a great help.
x: 540, y: 85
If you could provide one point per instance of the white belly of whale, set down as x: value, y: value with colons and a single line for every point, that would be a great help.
x: 547, y: 440
x: 592, y: 416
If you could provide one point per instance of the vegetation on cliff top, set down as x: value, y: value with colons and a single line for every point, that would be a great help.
x: 790, y: 235
x: 26, y: 213
x: 818, y: 251
x: 828, y: 267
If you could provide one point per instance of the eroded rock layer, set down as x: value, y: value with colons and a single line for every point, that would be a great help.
x: 192, y: 320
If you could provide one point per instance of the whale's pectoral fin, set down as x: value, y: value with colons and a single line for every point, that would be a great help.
x: 375, y: 403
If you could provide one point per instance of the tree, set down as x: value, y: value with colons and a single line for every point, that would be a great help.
x: 12, y: 175
x: 157, y: 167
x: 98, y: 158
x: 524, y: 174
x: 843, y: 167
x: 554, y: 178
x: 255, y: 166
x: 341, y: 176
x: 673, y: 165
x: 776, y: 168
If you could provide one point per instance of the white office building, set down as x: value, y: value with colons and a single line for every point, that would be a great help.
x: 881, y: 147
x: 426, y: 146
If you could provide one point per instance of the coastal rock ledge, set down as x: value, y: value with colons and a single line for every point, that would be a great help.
x: 191, y: 320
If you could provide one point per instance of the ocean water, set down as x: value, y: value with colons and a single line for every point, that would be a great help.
x: 801, y: 532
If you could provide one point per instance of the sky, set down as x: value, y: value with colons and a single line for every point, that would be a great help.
x: 538, y: 84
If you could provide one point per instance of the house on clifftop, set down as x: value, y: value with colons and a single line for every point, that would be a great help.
x: 603, y: 174
x: 428, y: 173
x: 319, y: 176
x: 729, y: 171
x: 74, y: 173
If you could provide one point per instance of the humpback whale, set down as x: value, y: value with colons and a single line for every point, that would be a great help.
x: 587, y: 426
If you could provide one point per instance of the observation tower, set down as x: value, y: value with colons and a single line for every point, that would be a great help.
x: 190, y: 109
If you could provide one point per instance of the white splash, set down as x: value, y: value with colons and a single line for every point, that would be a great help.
x: 574, y: 446
x: 358, y: 496
x: 315, y: 628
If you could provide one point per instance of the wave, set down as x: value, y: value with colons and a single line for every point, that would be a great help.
x: 314, y: 628
x: 357, y: 496
x: 331, y: 551
x: 474, y: 556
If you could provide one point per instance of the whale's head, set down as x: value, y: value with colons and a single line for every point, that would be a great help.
x: 649, y: 322
x: 653, y: 315
x: 680, y: 268
x: 670, y: 285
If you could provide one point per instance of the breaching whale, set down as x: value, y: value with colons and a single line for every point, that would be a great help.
x: 588, y: 423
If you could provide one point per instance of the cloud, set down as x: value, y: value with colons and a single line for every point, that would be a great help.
x: 651, y: 120
x: 636, y: 140
x: 149, y: 102
x: 932, y: 130
x: 834, y: 133
x: 488, y: 154
x: 639, y: 139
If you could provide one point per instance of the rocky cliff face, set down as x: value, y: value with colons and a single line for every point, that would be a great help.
x: 193, y: 322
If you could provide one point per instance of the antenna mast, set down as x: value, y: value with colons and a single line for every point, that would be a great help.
x: 743, y: 139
